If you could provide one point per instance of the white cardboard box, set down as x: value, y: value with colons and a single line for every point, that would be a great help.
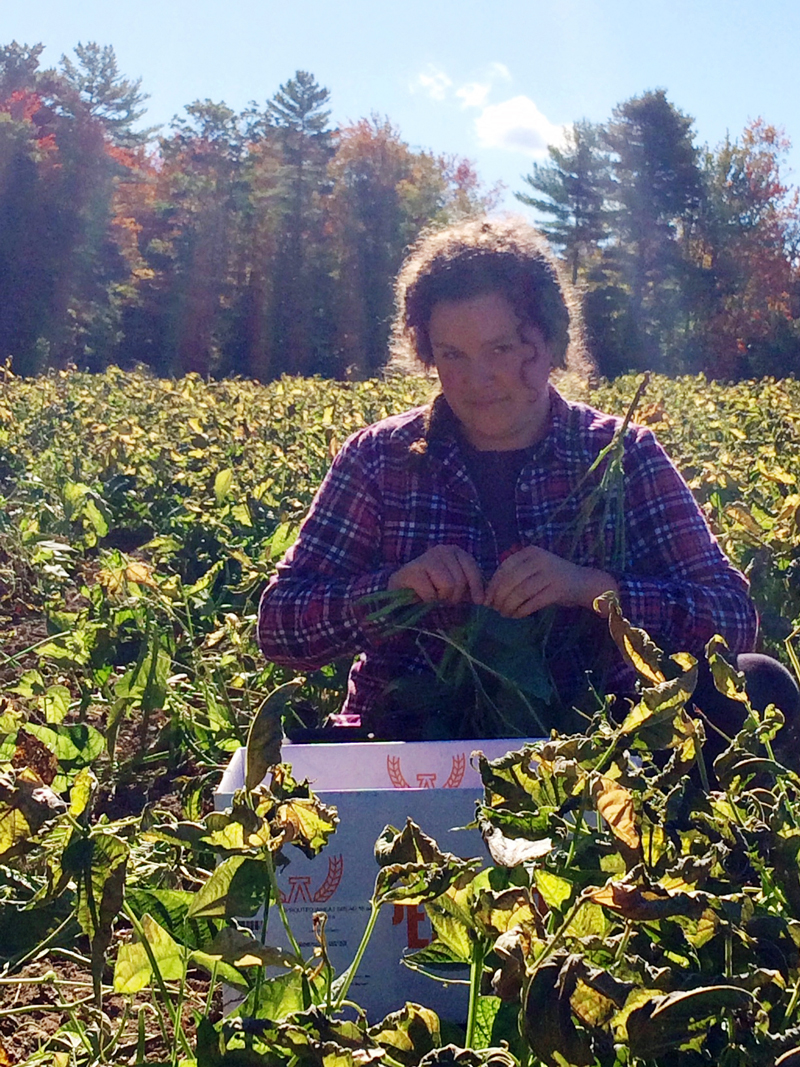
x: 375, y: 784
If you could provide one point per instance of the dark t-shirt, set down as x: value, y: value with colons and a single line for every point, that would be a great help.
x: 495, y: 475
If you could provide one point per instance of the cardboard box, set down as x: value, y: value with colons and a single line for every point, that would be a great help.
x: 375, y: 784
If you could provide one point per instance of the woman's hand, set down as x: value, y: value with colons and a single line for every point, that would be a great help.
x: 532, y: 579
x: 445, y: 573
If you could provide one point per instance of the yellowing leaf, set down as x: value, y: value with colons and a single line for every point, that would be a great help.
x: 241, y: 513
x: 139, y: 572
x: 499, y: 912
x: 744, y: 517
x: 727, y: 679
x: 14, y: 828
x: 241, y: 950
x: 55, y: 703
x: 222, y: 485
x: 589, y: 921
x: 615, y: 803
x: 703, y: 930
x: 555, y: 890
x: 635, y: 645
x: 26, y: 804
x: 307, y: 823
x: 83, y: 789
x: 133, y: 971
x: 643, y: 904
x: 591, y: 1007
x: 654, y: 842
x: 229, y: 837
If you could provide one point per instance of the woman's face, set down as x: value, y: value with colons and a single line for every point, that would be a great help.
x: 493, y: 371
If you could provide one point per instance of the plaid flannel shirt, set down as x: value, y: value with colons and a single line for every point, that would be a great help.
x: 399, y: 487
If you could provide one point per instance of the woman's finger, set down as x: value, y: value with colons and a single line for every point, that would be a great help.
x: 528, y: 605
x: 509, y: 600
x: 447, y: 576
x: 417, y: 579
x: 472, y: 576
x: 508, y: 576
x: 445, y: 572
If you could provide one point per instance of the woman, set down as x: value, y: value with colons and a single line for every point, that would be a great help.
x: 491, y: 496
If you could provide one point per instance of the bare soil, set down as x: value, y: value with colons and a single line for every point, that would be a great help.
x: 33, y: 1006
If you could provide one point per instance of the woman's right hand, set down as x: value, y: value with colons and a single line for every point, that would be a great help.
x: 444, y: 573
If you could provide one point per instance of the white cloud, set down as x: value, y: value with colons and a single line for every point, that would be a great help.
x: 517, y: 125
x: 499, y: 70
x: 432, y: 81
x: 473, y: 94
x: 439, y: 86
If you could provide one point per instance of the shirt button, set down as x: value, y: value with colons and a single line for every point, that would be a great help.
x: 524, y: 487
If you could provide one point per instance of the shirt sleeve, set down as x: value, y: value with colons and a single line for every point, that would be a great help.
x: 677, y: 583
x: 312, y: 610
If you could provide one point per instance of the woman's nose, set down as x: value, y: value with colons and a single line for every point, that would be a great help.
x: 483, y: 372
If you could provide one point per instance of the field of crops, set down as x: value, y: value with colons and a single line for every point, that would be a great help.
x: 139, y: 519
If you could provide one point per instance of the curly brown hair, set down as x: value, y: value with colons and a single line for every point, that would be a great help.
x: 485, y: 255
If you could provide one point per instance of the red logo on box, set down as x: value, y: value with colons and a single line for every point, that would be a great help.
x: 300, y: 885
x: 427, y: 779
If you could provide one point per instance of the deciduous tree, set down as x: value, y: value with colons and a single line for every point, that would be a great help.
x: 749, y: 245
x: 384, y: 193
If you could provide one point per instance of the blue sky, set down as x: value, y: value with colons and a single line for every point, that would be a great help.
x: 488, y: 79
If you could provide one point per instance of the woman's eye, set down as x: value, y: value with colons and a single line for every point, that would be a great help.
x: 504, y: 349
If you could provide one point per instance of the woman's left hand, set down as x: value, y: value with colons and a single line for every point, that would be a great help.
x: 532, y: 579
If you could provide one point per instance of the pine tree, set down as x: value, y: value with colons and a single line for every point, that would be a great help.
x: 572, y: 188
x: 19, y: 66
x: 296, y: 117
x: 657, y: 190
x: 107, y: 96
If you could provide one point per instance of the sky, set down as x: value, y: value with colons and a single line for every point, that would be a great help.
x: 492, y: 80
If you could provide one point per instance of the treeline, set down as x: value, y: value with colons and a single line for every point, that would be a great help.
x: 258, y: 243
x: 266, y: 242
x: 687, y: 257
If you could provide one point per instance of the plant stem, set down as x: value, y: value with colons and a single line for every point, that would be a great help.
x: 623, y: 944
x: 49, y: 979
x: 701, y: 769
x: 179, y: 1014
x: 578, y: 824
x: 27, y: 1009
x: 45, y: 640
x: 276, y: 896
x: 475, y: 975
x: 558, y: 937
x: 350, y: 973
x: 790, y: 652
x: 126, y: 1011
x: 792, y: 1005
x: 176, y: 1021
x: 211, y: 983
x: 80, y: 1030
